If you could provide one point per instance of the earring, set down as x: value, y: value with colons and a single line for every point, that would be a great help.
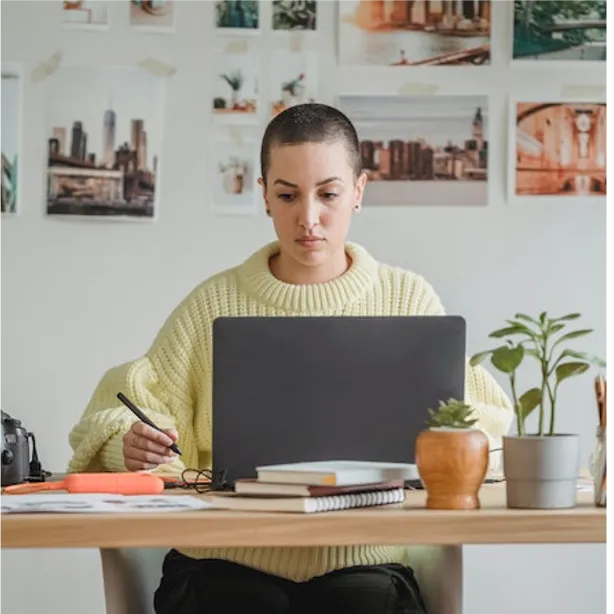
x: 357, y: 207
x: 268, y: 212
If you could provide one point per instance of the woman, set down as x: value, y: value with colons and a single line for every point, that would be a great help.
x: 312, y: 185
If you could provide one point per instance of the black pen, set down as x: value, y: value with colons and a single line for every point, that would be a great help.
x: 143, y: 418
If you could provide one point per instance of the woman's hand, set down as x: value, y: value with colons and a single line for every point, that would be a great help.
x: 146, y: 448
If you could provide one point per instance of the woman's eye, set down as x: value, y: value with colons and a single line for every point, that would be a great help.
x: 285, y: 197
x: 329, y: 195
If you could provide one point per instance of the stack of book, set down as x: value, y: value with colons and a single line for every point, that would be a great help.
x: 319, y: 487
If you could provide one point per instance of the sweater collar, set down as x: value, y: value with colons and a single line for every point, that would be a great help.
x: 255, y: 276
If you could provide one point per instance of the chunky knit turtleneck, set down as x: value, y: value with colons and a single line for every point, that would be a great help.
x: 172, y: 382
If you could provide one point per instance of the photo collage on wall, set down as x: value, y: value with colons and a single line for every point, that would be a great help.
x: 105, y: 124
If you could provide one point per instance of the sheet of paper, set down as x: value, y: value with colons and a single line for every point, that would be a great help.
x: 69, y: 503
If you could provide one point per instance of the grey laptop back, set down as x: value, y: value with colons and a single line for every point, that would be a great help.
x: 290, y: 389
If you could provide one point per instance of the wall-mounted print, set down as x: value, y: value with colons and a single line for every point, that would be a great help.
x: 418, y: 33
x: 236, y: 87
x: 104, y: 141
x: 11, y: 137
x: 238, y: 16
x: 293, y: 79
x: 291, y: 15
x: 558, y: 149
x: 422, y: 150
x: 85, y: 15
x: 560, y: 30
x: 234, y: 168
x: 156, y: 15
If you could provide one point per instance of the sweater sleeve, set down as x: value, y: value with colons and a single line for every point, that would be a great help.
x: 162, y: 383
x: 492, y: 407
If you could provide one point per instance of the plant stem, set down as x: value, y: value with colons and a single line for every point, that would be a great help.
x: 552, y: 396
x: 544, y: 364
x: 517, y: 408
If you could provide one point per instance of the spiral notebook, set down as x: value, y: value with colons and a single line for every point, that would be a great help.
x: 307, y: 505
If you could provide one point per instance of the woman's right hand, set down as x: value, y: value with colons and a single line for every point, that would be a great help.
x: 146, y: 448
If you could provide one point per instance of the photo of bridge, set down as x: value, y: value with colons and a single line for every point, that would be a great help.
x: 560, y: 30
x: 414, y: 32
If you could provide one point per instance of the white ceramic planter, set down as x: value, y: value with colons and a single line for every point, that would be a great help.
x: 541, y: 472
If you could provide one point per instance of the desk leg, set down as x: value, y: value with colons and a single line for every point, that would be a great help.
x: 439, y: 572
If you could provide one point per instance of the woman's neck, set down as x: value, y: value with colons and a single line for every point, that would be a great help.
x: 289, y: 271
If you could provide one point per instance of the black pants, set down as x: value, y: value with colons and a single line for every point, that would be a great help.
x: 191, y: 586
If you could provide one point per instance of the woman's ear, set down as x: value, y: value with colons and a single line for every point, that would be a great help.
x: 361, y: 182
x: 266, y: 202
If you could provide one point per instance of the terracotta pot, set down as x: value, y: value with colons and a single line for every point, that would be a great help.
x: 452, y: 464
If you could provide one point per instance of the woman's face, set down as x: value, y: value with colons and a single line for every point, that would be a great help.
x: 311, y: 193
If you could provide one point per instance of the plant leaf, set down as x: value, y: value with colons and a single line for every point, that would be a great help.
x: 594, y: 360
x: 507, y: 359
x: 478, y: 358
x: 555, y: 328
x: 529, y: 401
x: 542, y: 317
x: 567, y: 318
x: 569, y: 369
x: 532, y: 352
x: 524, y: 316
x: 572, y: 335
x: 510, y: 330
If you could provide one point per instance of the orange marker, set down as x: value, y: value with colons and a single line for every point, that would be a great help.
x: 89, y: 483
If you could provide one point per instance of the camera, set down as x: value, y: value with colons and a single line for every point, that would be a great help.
x: 14, y: 451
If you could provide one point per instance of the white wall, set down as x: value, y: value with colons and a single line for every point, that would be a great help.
x: 79, y: 296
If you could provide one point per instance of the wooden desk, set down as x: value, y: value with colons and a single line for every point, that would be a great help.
x: 410, y: 523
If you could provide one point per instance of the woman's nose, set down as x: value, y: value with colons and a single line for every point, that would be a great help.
x: 309, y: 215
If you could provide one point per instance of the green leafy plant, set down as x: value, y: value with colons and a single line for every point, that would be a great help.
x: 452, y: 414
x: 537, y: 338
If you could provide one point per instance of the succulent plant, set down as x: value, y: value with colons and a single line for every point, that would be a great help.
x: 452, y: 414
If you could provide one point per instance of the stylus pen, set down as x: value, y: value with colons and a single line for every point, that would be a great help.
x: 143, y: 418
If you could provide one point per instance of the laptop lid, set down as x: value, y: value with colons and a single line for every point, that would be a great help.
x: 292, y: 389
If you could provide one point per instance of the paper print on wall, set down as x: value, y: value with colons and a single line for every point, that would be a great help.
x: 419, y: 33
x: 422, y: 150
x: 236, y: 87
x: 559, y: 149
x: 241, y: 16
x: 85, y: 15
x: 234, y: 177
x: 11, y: 137
x: 294, y: 15
x: 560, y: 30
x: 293, y: 79
x: 152, y: 15
x: 104, y: 140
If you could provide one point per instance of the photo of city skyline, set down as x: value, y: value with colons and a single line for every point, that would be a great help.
x: 416, y: 33
x: 11, y: 129
x: 560, y: 30
x: 560, y: 149
x: 104, y: 141
x: 422, y: 150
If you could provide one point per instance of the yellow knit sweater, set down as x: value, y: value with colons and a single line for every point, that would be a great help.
x: 172, y: 382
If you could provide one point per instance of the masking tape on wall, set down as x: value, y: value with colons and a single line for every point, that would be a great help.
x: 589, y: 92
x: 418, y: 88
x: 46, y: 68
x: 236, y: 46
x: 156, y: 68
x: 296, y: 41
x: 236, y: 136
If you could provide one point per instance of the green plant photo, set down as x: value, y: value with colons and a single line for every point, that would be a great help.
x: 543, y: 339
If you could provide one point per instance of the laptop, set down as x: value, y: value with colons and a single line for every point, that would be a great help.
x: 296, y: 389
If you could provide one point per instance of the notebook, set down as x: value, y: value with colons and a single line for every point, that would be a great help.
x: 337, y: 473
x: 251, y: 486
x: 307, y: 505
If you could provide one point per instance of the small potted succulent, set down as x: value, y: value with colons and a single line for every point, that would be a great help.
x: 541, y: 469
x: 452, y: 457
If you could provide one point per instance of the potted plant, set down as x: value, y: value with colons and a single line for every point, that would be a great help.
x: 452, y: 457
x: 541, y: 469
